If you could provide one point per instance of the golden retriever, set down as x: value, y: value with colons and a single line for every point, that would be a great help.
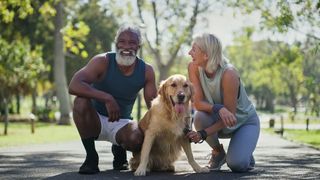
x: 163, y: 126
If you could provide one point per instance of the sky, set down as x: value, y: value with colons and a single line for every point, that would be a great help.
x: 225, y: 24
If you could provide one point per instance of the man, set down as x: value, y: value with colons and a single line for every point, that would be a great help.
x: 105, y: 90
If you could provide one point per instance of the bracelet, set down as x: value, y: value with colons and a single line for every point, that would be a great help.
x: 203, y: 134
x: 216, y: 108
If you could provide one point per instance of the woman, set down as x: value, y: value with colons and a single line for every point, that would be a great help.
x: 223, y: 107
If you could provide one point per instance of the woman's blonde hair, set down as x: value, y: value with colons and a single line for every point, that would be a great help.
x: 211, y: 45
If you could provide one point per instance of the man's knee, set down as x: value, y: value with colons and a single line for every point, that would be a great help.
x: 80, y: 105
x: 134, y: 141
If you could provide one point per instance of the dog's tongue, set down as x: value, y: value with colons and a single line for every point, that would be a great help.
x: 179, y: 108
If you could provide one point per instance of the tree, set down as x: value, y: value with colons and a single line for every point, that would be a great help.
x: 59, y: 68
x: 288, y: 60
x: 254, y: 64
x: 173, y: 23
x: 20, y: 69
x: 282, y: 16
x: 102, y: 25
x: 166, y: 25
x: 301, y: 17
x: 311, y: 71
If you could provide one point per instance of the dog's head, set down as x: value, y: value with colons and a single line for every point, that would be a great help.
x: 176, y: 91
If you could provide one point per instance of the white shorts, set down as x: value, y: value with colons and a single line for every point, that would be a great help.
x: 110, y: 129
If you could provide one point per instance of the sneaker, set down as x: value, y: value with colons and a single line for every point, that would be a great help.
x: 89, y: 166
x: 218, y: 158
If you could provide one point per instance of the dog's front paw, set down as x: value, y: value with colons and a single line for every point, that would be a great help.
x: 200, y: 169
x: 140, y: 172
x: 204, y: 170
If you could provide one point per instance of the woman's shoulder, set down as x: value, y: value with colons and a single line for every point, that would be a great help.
x: 230, y: 71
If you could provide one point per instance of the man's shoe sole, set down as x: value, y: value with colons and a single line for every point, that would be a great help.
x: 88, y: 171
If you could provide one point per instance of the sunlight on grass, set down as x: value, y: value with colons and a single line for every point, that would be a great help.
x: 311, y: 137
x: 20, y: 134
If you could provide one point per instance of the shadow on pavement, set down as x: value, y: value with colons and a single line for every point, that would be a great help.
x: 110, y: 174
x: 275, y: 159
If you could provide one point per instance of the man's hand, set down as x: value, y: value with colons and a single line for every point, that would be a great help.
x: 227, y: 117
x: 113, y: 109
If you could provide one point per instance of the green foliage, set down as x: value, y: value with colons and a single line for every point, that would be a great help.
x: 102, y: 26
x: 74, y: 37
x: 9, y: 9
x: 20, y: 66
x: 283, y: 15
x: 260, y: 63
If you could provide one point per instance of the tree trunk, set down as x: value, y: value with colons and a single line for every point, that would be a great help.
x: 163, y: 72
x: 59, y: 69
x: 6, y: 116
x: 18, y: 103
x: 34, y: 102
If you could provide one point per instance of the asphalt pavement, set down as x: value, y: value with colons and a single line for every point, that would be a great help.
x: 276, y: 158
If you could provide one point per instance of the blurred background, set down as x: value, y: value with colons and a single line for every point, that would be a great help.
x: 273, y: 44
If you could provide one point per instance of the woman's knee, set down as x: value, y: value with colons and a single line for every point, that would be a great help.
x: 238, y: 164
x: 202, y: 120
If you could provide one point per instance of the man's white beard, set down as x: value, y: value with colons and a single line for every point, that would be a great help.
x: 125, y: 60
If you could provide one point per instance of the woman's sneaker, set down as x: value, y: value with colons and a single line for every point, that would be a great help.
x: 218, y: 158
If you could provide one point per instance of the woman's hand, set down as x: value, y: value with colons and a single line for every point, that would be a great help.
x: 194, y: 136
x: 227, y: 117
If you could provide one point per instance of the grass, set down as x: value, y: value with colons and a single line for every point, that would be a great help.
x: 311, y: 137
x: 20, y: 134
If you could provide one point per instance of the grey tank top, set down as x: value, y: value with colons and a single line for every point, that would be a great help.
x: 213, y: 94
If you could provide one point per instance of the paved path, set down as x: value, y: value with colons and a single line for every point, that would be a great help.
x: 276, y: 158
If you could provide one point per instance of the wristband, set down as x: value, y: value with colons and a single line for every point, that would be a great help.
x: 203, y: 134
x: 216, y: 107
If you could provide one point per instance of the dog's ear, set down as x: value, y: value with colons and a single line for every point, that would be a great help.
x: 162, y: 88
x: 165, y: 98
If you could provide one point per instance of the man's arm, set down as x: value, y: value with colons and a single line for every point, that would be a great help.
x: 150, y: 89
x: 80, y: 84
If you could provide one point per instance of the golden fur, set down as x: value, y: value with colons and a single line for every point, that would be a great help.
x: 163, y: 127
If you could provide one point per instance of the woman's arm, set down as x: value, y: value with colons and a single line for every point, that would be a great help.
x: 198, y: 98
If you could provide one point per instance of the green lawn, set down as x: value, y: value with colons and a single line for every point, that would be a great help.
x: 311, y: 137
x: 20, y: 134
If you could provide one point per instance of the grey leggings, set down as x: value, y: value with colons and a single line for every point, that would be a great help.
x: 243, y: 140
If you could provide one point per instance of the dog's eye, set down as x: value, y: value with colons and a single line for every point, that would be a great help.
x: 173, y: 85
x: 185, y: 85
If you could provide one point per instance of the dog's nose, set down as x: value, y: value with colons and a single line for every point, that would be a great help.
x: 181, y: 96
